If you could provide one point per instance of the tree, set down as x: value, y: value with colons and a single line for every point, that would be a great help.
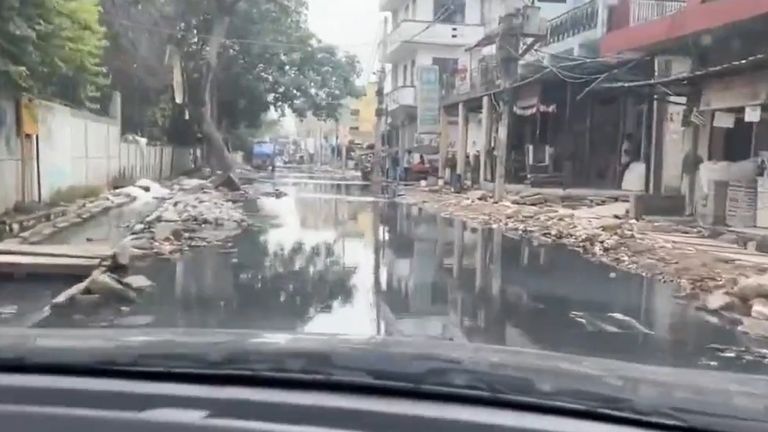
x: 240, y: 59
x: 53, y: 48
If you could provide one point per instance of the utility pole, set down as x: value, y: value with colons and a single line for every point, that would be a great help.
x: 380, y: 128
x: 508, y: 53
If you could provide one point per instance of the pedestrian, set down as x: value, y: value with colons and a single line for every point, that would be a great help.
x: 691, y: 163
x: 627, y: 155
x: 407, y: 164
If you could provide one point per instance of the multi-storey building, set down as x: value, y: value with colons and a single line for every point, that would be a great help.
x: 422, y: 32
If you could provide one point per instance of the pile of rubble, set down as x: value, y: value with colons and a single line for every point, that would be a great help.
x: 600, y: 230
x: 103, y: 288
x: 197, y: 213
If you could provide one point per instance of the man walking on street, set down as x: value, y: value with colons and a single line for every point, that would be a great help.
x: 691, y: 163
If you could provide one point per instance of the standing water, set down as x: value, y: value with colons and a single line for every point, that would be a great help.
x: 331, y: 257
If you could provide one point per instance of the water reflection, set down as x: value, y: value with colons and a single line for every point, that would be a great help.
x: 447, y: 280
x: 333, y: 258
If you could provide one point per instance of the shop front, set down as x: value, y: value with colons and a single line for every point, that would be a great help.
x: 732, y: 176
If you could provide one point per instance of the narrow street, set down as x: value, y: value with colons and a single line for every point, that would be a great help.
x: 310, y: 262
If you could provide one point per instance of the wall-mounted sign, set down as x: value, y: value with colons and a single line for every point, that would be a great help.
x: 428, y: 99
x: 28, y: 123
x: 724, y: 119
x: 753, y: 113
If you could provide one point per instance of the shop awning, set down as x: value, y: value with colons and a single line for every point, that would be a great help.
x: 529, y: 101
x: 735, y: 91
x: 742, y: 64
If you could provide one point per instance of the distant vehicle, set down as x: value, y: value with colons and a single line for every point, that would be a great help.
x: 263, y: 155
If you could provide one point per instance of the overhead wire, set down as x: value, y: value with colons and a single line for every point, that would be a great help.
x: 238, y: 40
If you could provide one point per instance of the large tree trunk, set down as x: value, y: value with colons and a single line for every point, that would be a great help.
x: 218, y: 155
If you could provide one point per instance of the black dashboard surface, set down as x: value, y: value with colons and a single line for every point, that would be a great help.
x: 67, y: 403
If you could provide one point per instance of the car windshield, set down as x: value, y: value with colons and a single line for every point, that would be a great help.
x: 575, y: 178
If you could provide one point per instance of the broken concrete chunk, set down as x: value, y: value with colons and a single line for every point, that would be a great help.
x: 170, y: 215
x: 138, y: 283
x: 479, y: 195
x: 134, y: 321
x: 752, y: 288
x: 754, y: 327
x: 226, y: 181
x: 122, y: 254
x: 168, y: 231
x: 109, y: 287
x: 718, y: 301
x: 760, y: 308
x: 66, y: 297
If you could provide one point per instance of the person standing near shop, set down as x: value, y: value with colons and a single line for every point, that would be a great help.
x: 691, y: 163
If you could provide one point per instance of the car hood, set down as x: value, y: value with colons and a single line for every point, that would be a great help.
x: 480, y: 369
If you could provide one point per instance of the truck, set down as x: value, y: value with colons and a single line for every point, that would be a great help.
x: 263, y: 155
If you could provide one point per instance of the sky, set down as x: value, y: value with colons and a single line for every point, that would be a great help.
x: 352, y: 25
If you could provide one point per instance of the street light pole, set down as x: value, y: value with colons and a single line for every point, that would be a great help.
x: 380, y: 129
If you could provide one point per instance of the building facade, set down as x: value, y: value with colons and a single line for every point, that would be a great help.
x: 613, y: 94
x: 421, y: 33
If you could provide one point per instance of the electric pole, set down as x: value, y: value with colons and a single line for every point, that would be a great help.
x: 381, y: 127
x: 508, y: 53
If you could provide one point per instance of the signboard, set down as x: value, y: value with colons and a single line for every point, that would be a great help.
x: 428, y: 99
x: 462, y: 76
x: 28, y: 116
x: 724, y: 119
x: 753, y: 113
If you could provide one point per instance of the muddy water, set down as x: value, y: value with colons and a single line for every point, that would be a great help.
x: 332, y: 257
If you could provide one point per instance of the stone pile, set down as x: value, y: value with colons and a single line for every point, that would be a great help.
x: 196, y: 214
x: 720, y: 284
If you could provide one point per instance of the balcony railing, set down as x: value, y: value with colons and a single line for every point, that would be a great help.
x: 401, y: 96
x: 648, y: 10
x: 483, y: 78
x: 573, y: 22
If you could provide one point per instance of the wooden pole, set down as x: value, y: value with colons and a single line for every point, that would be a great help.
x: 461, y: 148
x: 487, y: 135
x: 501, y: 151
x: 443, y: 144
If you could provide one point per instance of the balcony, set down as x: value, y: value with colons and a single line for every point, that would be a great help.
x: 642, y: 11
x: 404, y: 96
x: 574, y: 22
x: 578, y: 31
x: 403, y: 41
x: 483, y: 78
x: 390, y: 5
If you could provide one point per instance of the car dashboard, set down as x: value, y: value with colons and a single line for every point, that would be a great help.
x: 43, y: 402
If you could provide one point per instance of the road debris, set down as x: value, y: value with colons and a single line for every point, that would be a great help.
x: 196, y: 213
x: 723, y: 276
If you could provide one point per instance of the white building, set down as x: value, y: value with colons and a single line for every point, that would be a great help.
x: 422, y: 32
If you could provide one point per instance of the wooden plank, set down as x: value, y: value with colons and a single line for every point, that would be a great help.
x: 27, y: 264
x: 65, y: 251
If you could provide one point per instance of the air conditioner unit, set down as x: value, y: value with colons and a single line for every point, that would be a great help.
x: 669, y: 66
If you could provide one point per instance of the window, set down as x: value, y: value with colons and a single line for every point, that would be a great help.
x: 354, y: 112
x: 354, y: 128
x: 449, y: 11
x: 447, y: 67
x: 405, y: 74
x: 413, y: 72
x: 407, y: 11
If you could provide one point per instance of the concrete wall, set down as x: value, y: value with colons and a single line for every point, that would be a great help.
x: 10, y: 156
x: 76, y: 148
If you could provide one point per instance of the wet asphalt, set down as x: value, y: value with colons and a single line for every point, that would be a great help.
x: 335, y: 257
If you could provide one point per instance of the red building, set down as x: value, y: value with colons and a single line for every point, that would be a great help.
x: 642, y: 25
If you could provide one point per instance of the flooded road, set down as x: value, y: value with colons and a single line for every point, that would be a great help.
x: 332, y: 257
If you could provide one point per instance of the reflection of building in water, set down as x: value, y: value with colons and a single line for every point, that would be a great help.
x: 415, y: 291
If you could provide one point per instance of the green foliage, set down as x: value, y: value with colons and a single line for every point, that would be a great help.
x: 269, y: 60
x: 53, y: 48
